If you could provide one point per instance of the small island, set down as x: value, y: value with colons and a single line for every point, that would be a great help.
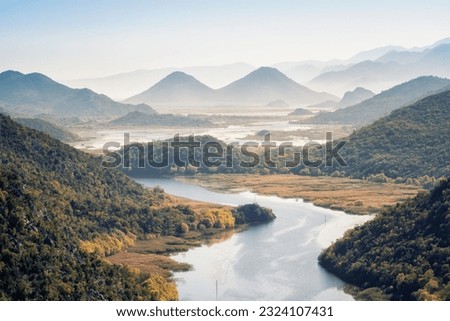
x: 253, y: 214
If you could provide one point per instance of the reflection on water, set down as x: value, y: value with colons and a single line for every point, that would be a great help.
x: 275, y: 261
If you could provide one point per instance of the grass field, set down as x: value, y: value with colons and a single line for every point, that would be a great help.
x: 350, y: 195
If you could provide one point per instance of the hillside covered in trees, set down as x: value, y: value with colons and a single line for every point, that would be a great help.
x: 403, y: 254
x: 410, y: 142
x: 59, y: 208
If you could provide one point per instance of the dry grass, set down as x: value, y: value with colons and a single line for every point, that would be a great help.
x: 351, y: 195
x: 151, y: 255
x: 149, y: 263
x: 197, y: 206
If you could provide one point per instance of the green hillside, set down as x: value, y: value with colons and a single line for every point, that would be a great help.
x: 411, y: 142
x: 402, y: 254
x: 52, y: 198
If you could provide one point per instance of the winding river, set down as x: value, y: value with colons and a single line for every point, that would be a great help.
x: 270, y: 262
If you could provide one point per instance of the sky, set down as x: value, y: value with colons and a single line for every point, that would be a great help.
x: 83, y: 39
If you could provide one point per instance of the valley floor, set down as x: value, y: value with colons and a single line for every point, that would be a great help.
x: 350, y: 195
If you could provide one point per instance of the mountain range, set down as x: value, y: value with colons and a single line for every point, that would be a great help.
x: 36, y: 94
x: 125, y: 85
x: 368, y: 69
x: 384, y: 103
x: 259, y: 87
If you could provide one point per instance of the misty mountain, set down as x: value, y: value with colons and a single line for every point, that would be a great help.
x: 300, y: 72
x: 393, y: 67
x: 49, y: 129
x: 268, y: 84
x: 137, y: 118
x: 400, y: 255
x: 304, y: 71
x: 384, y: 103
x: 325, y: 104
x: 401, y: 57
x: 369, y: 74
x: 355, y: 97
x: 437, y: 56
x: 122, y: 86
x: 257, y: 88
x: 33, y: 94
x: 178, y: 88
x: 373, y: 54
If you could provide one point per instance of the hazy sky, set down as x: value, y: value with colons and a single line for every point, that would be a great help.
x: 77, y: 39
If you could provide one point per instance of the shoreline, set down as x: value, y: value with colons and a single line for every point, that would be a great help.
x: 353, y: 196
x: 152, y: 255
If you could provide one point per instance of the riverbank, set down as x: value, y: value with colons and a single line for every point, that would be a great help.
x: 306, y: 228
x: 353, y: 196
x: 274, y: 261
x: 152, y: 255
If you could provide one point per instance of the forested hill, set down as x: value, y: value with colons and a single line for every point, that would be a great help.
x: 403, y: 254
x: 53, y: 197
x: 410, y: 142
x: 384, y: 103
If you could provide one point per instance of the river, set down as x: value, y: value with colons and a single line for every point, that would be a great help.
x: 271, y: 262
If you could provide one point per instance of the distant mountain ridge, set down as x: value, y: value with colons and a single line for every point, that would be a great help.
x: 384, y: 103
x: 267, y: 84
x: 391, y: 68
x: 33, y: 94
x: 259, y: 87
x: 125, y: 85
